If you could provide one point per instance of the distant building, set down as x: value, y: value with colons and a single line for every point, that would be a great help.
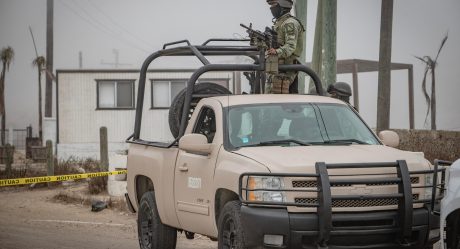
x: 89, y: 99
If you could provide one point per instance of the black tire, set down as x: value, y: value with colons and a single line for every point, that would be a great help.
x: 177, y: 105
x: 231, y: 234
x: 151, y: 232
x: 453, y: 230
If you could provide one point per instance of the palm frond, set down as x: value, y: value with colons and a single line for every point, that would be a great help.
x: 431, y: 63
x: 39, y: 62
x: 7, y: 56
x: 420, y: 58
x: 440, y: 47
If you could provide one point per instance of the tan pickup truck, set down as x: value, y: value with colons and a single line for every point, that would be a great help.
x: 279, y: 171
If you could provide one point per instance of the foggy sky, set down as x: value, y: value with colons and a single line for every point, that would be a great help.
x: 137, y: 28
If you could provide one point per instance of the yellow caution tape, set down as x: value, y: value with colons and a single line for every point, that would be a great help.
x: 41, y: 179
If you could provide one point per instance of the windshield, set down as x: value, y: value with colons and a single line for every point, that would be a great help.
x: 296, y: 124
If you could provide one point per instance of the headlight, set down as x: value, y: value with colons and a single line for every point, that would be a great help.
x: 267, y: 185
x: 428, y: 182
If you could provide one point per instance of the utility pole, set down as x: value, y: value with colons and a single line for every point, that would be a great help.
x: 49, y: 59
x: 117, y: 63
x: 384, y: 83
x: 80, y: 60
x: 329, y: 42
x: 301, y: 14
x: 325, y: 44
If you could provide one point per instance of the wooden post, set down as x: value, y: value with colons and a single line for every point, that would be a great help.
x: 10, y: 136
x: 104, y: 149
x: 9, y: 153
x: 384, y: 82
x: 355, y: 86
x: 411, y: 98
x: 324, y: 61
x: 50, y: 157
x: 301, y: 14
x: 29, y: 131
x: 49, y: 58
x: 329, y: 47
x: 40, y: 114
x: 316, y: 60
x: 3, y: 129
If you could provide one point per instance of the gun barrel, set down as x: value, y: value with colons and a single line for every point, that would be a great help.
x: 244, y: 26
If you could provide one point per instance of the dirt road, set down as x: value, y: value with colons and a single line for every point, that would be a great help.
x: 32, y: 219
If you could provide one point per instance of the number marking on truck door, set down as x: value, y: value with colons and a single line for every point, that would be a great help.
x: 194, y: 182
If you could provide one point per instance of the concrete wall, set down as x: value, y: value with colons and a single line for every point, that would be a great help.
x: 87, y: 150
x: 443, y: 145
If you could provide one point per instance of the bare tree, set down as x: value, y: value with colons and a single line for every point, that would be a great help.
x: 40, y: 63
x: 7, y: 55
x: 430, y: 66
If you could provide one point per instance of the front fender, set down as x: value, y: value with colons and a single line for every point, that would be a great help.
x: 229, y: 168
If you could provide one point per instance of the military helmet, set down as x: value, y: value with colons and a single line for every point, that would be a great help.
x: 340, y: 88
x: 282, y: 3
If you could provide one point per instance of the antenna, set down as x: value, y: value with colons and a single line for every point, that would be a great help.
x: 33, y: 40
x: 117, y: 63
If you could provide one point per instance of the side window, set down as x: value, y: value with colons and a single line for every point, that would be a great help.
x: 113, y: 94
x: 164, y: 92
x: 206, y: 124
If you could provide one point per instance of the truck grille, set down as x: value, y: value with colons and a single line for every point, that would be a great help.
x: 355, y: 203
x: 313, y: 183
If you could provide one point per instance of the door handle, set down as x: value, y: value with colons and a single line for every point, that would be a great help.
x: 183, y: 168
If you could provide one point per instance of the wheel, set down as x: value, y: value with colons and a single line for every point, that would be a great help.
x: 151, y: 232
x: 177, y: 105
x: 453, y: 230
x: 231, y: 234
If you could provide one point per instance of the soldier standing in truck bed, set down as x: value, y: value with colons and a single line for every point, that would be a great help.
x: 290, y: 39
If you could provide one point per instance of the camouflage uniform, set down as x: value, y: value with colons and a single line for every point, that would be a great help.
x: 290, y: 39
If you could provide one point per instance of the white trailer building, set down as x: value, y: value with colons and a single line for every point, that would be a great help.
x: 89, y: 99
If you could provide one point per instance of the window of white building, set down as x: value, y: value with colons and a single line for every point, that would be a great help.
x: 115, y: 94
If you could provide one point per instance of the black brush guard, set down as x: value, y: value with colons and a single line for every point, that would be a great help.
x: 325, y: 198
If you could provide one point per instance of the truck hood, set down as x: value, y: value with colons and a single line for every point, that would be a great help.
x: 302, y: 159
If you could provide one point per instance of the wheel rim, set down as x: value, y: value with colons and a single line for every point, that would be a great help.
x: 146, y: 226
x: 229, y: 234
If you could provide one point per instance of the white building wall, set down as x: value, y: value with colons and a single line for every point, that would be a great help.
x: 79, y: 119
x: 88, y: 150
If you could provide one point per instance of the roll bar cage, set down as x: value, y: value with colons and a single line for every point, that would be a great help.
x: 200, y: 52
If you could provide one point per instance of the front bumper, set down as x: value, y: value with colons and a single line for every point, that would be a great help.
x: 350, y: 230
x: 409, y: 226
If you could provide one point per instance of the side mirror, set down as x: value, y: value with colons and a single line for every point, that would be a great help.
x: 195, y: 143
x: 389, y: 138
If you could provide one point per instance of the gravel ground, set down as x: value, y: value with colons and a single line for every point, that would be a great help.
x: 33, y: 219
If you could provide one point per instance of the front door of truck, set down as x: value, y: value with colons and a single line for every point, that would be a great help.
x: 193, y: 183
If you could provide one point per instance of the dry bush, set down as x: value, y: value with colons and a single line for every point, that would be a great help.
x: 15, y: 173
x: 67, y: 167
x: 75, y: 165
x: 97, y: 185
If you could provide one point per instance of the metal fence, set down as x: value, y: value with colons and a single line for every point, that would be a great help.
x: 19, y: 138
